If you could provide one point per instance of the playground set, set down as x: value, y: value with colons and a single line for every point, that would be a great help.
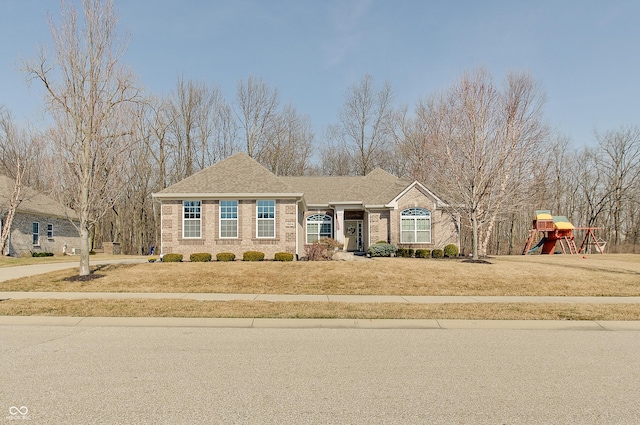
x: 557, y: 230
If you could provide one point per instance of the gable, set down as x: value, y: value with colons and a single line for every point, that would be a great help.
x: 238, y: 174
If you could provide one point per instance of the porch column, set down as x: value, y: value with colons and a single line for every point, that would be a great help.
x: 339, y: 225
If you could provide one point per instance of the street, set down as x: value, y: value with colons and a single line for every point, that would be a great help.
x: 93, y: 375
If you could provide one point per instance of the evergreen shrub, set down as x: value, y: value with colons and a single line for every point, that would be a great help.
x: 381, y: 250
x: 253, y: 256
x: 200, y: 257
x: 451, y: 251
x: 405, y: 252
x: 283, y: 256
x: 172, y: 258
x: 423, y: 253
x: 225, y: 256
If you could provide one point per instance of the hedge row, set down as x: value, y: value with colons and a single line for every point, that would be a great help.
x: 383, y: 249
x: 226, y: 256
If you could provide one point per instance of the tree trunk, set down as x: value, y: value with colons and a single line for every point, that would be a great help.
x: 84, y: 250
x: 474, y: 231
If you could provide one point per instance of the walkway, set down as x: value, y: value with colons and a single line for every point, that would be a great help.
x: 405, y: 299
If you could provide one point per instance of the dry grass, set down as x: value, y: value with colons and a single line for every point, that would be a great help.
x: 25, y: 261
x: 319, y: 310
x: 597, y: 275
x: 560, y: 275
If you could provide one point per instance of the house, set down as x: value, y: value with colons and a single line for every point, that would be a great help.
x: 40, y: 224
x: 237, y: 205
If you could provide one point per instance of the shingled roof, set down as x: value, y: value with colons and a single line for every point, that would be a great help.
x: 376, y: 188
x: 238, y: 174
x: 241, y: 175
x: 33, y: 201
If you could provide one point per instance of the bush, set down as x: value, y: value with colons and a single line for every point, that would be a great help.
x: 405, y: 252
x: 283, y: 256
x: 202, y: 257
x: 451, y: 251
x: 437, y: 253
x: 42, y: 254
x: 92, y: 252
x: 253, y: 256
x: 225, y: 256
x: 153, y: 259
x: 381, y: 242
x: 172, y: 258
x: 423, y: 253
x: 322, y: 249
x: 381, y: 250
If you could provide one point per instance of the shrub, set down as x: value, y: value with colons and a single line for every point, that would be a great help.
x: 153, y: 259
x: 92, y: 252
x: 381, y: 250
x: 225, y: 256
x: 404, y: 252
x: 322, y: 249
x: 451, y: 251
x: 381, y: 242
x: 283, y: 256
x: 253, y: 256
x: 437, y: 253
x: 423, y: 253
x: 172, y: 258
x: 200, y: 257
x: 42, y: 254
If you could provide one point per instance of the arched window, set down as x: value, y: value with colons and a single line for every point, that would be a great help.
x: 319, y: 226
x: 415, y: 225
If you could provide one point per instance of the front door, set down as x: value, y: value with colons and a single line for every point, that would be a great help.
x: 353, y: 235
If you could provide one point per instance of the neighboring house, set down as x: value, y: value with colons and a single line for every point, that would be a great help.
x: 237, y: 205
x: 40, y: 223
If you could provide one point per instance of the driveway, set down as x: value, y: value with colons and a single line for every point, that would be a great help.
x: 8, y: 273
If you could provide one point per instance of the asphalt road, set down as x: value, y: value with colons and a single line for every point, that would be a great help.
x: 141, y: 375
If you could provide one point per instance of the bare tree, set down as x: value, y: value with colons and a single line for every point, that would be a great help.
x: 290, y: 147
x: 477, y: 143
x: 364, y: 128
x: 257, y: 111
x: 201, y: 127
x: 619, y: 165
x: 20, y: 151
x: 89, y: 94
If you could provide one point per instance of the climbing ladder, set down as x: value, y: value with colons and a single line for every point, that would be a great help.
x: 570, y: 245
x: 530, y: 239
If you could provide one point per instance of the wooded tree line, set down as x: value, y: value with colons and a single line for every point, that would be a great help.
x: 485, y: 147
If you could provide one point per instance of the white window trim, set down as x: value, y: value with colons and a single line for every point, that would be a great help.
x: 306, y: 226
x: 192, y: 219
x: 237, y: 219
x: 415, y: 218
x: 49, y: 233
x: 34, y: 224
x: 266, y: 219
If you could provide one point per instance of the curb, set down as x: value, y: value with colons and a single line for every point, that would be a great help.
x: 266, y: 323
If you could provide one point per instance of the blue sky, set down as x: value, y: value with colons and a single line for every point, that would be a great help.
x: 584, y: 53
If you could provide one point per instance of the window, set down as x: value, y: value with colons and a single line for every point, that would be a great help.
x: 49, y: 231
x: 319, y: 226
x: 191, y: 219
x: 228, y: 219
x: 36, y: 234
x: 266, y: 222
x: 415, y: 225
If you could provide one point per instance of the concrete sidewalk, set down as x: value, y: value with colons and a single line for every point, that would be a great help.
x: 405, y: 299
